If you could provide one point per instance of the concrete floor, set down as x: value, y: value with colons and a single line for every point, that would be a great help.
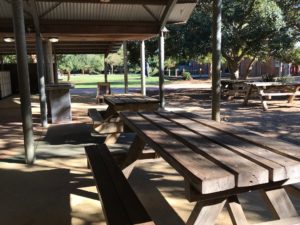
x: 59, y: 188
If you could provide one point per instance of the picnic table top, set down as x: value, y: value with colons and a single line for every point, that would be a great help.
x: 215, y: 157
x: 123, y: 99
x: 266, y: 84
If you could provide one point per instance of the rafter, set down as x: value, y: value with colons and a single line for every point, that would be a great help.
x: 150, y: 12
x: 171, y: 4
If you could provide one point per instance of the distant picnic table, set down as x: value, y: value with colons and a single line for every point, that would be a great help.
x: 266, y: 90
x: 218, y: 162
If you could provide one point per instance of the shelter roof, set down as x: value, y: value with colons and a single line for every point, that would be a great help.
x: 97, y: 20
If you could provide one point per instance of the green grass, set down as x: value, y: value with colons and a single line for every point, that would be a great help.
x: 116, y: 80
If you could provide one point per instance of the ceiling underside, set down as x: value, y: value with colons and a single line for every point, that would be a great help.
x: 93, y: 21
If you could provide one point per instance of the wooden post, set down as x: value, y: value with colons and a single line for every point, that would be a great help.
x: 143, y: 65
x: 105, y: 68
x: 161, y: 69
x: 216, y: 60
x: 23, y: 78
x: 47, y: 46
x: 55, y: 74
x: 125, y: 67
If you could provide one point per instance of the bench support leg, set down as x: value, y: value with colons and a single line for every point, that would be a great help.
x: 206, y: 213
x: 247, y: 96
x: 279, y: 203
x: 112, y: 138
x: 292, y: 97
x: 236, y: 212
x: 135, y: 150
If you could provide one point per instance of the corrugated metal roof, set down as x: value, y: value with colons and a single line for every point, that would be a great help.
x: 106, y: 12
x: 181, y: 12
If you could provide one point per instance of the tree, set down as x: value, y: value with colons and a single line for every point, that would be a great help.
x: 249, y: 28
x: 115, y: 59
x: 66, y: 64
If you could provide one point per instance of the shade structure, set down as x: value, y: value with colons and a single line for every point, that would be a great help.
x: 86, y: 23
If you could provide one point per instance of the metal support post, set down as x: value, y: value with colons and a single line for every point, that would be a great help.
x: 125, y: 67
x: 143, y: 69
x: 216, y: 60
x: 161, y: 69
x: 23, y: 78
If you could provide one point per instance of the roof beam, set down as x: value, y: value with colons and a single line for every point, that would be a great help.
x: 169, y: 7
x: 87, y: 27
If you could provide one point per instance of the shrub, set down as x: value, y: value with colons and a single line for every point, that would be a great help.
x: 187, y: 75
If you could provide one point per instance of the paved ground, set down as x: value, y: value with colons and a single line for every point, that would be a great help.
x: 59, y: 189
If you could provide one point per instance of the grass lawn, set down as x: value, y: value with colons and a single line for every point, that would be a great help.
x: 116, y: 80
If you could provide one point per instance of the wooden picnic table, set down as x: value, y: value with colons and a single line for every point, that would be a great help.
x: 265, y: 91
x: 130, y: 102
x: 218, y: 162
x: 110, y: 122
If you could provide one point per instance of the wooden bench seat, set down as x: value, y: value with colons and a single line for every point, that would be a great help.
x: 120, y: 204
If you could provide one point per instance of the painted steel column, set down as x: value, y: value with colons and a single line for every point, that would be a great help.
x: 125, y: 67
x: 48, y: 62
x: 161, y: 69
x: 143, y: 70
x: 23, y: 78
x: 105, y: 69
x: 41, y: 74
x: 216, y: 60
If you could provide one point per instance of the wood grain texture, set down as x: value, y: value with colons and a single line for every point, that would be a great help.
x: 280, y: 167
x: 246, y: 172
x: 280, y: 203
x: 287, y: 221
x: 236, y: 212
x: 206, y: 214
x: 210, y: 178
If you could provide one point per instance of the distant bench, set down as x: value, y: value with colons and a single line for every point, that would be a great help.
x: 266, y: 90
x: 120, y: 204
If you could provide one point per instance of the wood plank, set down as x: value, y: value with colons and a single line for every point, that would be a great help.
x: 246, y: 172
x: 280, y: 167
x: 236, y: 212
x: 206, y: 214
x: 279, y: 203
x: 287, y: 221
x: 127, y: 198
x: 105, y: 187
x: 281, y: 147
x: 181, y: 157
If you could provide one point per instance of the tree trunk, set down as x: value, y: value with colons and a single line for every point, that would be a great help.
x: 69, y: 75
x: 209, y: 71
x: 112, y: 69
x: 234, y: 67
x: 249, y: 69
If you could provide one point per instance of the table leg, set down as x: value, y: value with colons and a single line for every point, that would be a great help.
x: 236, y: 212
x: 112, y: 138
x: 279, y: 203
x: 262, y: 99
x: 292, y: 97
x: 206, y: 213
x: 135, y: 150
x: 247, y: 96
